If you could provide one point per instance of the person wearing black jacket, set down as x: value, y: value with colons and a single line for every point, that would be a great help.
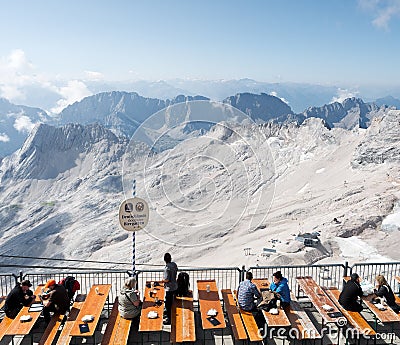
x: 384, y: 290
x: 18, y: 297
x: 56, y: 300
x: 348, y: 298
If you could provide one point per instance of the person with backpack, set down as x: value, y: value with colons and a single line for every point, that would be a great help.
x: 19, y: 297
x: 71, y: 285
x: 129, y: 304
x: 385, y: 291
x: 55, y: 300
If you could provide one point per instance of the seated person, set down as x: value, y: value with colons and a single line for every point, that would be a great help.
x: 348, y: 298
x: 247, y: 293
x: 56, y: 300
x: 280, y: 285
x: 18, y: 297
x: 384, y: 290
x: 129, y: 304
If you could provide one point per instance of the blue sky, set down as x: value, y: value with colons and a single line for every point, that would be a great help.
x: 328, y: 42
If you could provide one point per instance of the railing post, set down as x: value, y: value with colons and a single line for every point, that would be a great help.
x: 242, y: 273
x: 346, y: 268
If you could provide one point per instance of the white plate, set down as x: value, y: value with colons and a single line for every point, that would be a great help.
x: 380, y: 306
x: 327, y: 307
x: 25, y: 318
x: 152, y: 314
x: 212, y: 312
x: 87, y: 318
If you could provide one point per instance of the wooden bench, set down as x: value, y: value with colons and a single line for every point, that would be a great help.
x: 354, y: 318
x: 182, y: 322
x: 249, y: 322
x: 65, y: 337
x: 4, y: 325
x: 237, y: 326
x: 2, y: 301
x: 118, y: 328
x: 300, y: 321
x: 51, y: 330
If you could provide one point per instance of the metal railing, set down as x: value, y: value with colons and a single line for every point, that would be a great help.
x: 7, y: 282
x: 369, y: 271
x: 86, y: 279
x: 226, y: 277
x: 325, y: 275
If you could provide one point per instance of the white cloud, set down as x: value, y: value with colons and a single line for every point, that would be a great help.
x: 95, y: 76
x: 16, y: 71
x: 4, y: 137
x: 18, y: 61
x: 275, y: 94
x: 23, y: 124
x: 11, y: 92
x: 75, y: 91
x: 383, y: 11
x: 343, y: 94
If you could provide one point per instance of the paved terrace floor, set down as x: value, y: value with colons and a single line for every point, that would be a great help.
x: 217, y: 338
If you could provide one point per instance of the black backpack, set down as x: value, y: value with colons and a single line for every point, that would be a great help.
x: 71, y: 285
x: 183, y: 284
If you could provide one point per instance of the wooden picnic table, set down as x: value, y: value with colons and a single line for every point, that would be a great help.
x: 182, y: 320
x: 385, y: 316
x: 318, y: 298
x: 210, y: 300
x: 149, y: 305
x: 18, y: 327
x: 278, y: 320
x: 261, y: 283
x: 93, y: 305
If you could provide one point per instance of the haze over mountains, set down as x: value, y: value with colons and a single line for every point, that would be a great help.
x: 225, y: 185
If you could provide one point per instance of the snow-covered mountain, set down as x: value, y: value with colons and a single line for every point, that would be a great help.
x: 352, y: 113
x: 261, y: 108
x: 232, y: 187
x: 123, y: 112
x: 16, y: 121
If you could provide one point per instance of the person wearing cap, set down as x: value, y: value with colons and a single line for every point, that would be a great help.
x: 348, y: 298
x: 18, y: 297
x: 56, y: 300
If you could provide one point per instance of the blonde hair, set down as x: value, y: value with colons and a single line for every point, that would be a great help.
x: 130, y: 282
x: 381, y: 280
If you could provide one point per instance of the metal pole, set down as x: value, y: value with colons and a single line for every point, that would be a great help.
x: 134, y: 236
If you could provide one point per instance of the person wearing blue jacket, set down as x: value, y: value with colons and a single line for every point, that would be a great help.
x: 280, y: 285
